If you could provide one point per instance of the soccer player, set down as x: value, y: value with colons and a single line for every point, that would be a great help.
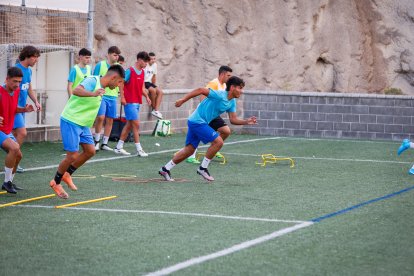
x: 134, y: 89
x: 405, y: 145
x: 80, y: 71
x: 150, y: 84
x: 75, y: 121
x: 9, y: 97
x: 218, y: 124
x: 198, y: 128
x: 121, y: 60
x: 28, y: 57
x: 107, y: 110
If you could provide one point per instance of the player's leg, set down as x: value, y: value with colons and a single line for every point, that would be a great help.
x: 218, y: 124
x: 107, y: 132
x: 19, y: 132
x: 12, y: 149
x: 208, y: 135
x: 131, y: 113
x: 156, y: 96
x: 138, y: 146
x: 99, y: 121
x: 405, y: 145
x: 152, y: 93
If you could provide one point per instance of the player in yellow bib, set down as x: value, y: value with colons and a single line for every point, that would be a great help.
x: 80, y: 71
x: 75, y: 122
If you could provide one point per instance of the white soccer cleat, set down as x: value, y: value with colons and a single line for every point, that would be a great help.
x: 205, y: 174
x: 106, y: 147
x: 97, y: 146
x: 157, y: 114
x: 121, y: 151
x: 166, y: 174
x: 142, y: 153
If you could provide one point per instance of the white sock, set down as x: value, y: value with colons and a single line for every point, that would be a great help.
x: 105, y: 140
x: 120, y: 144
x: 97, y: 137
x: 12, y: 178
x: 138, y: 146
x: 205, y: 162
x: 412, y: 145
x: 170, y: 165
x: 8, y: 172
x: 194, y: 154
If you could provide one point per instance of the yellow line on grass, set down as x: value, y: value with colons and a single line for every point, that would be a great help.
x: 84, y: 202
x: 26, y: 200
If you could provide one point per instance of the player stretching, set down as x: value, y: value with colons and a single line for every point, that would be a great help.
x: 9, y: 96
x: 75, y: 121
x: 215, y: 104
x: 133, y: 90
x: 406, y: 144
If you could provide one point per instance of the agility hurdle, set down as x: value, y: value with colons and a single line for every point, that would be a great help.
x: 26, y: 200
x: 84, y: 202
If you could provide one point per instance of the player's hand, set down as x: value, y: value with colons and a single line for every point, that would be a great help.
x: 179, y: 103
x: 99, y: 92
x: 123, y: 101
x: 1, y: 121
x: 252, y: 121
x: 38, y: 107
x: 148, y: 100
x: 30, y: 108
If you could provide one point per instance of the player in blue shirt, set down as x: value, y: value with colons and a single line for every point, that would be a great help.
x: 215, y: 104
x: 80, y: 71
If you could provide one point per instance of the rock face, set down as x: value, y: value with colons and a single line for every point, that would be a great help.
x: 318, y: 45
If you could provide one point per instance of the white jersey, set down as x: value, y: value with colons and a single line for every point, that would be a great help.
x: 150, y: 71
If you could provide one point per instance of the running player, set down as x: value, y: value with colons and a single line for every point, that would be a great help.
x: 107, y: 110
x: 198, y: 128
x: 9, y: 97
x: 80, y: 70
x: 28, y: 57
x: 75, y: 121
x: 150, y: 84
x: 405, y: 145
x: 134, y: 89
x: 218, y: 124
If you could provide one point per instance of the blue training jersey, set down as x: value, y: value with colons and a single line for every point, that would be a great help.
x: 24, y: 85
x: 211, y: 107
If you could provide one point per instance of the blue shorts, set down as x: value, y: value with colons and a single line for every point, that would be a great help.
x: 4, y: 137
x: 73, y: 135
x: 108, y: 107
x: 19, y: 121
x: 199, y: 132
x: 132, y: 111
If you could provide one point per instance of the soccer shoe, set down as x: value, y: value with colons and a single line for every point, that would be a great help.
x: 192, y: 160
x: 96, y: 146
x: 205, y: 174
x: 17, y: 188
x: 121, y: 151
x: 142, y: 153
x: 157, y: 114
x: 219, y: 155
x: 166, y: 174
x: 106, y: 147
x: 19, y: 169
x: 411, y: 171
x: 8, y: 186
x: 67, y: 178
x: 58, y: 190
x: 405, y: 145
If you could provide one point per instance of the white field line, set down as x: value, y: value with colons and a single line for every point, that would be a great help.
x: 149, y: 153
x: 167, y: 213
x: 324, y: 158
x: 230, y: 250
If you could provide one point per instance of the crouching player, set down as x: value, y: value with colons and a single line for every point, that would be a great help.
x: 9, y: 96
x: 215, y: 104
x: 76, y: 119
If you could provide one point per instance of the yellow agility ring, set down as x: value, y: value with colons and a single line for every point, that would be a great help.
x: 84, y: 176
x: 118, y: 175
x: 202, y: 153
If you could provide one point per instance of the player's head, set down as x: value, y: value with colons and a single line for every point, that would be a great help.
x: 225, y: 73
x: 14, y: 78
x: 142, y: 59
x: 84, y: 56
x: 113, y: 54
x: 235, y: 86
x: 152, y: 58
x: 115, y: 76
x: 29, y: 55
x: 121, y: 60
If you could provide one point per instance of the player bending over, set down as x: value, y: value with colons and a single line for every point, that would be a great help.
x: 215, y: 104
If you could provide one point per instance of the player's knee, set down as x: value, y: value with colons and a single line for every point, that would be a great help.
x: 225, y: 131
x: 218, y: 142
x: 19, y: 154
x: 159, y: 92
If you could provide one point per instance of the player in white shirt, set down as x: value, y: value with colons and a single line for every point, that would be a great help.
x: 155, y: 92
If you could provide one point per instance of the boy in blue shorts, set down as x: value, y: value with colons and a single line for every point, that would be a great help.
x: 76, y: 119
x: 80, y: 71
x: 215, y: 104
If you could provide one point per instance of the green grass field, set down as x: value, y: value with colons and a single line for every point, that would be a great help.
x: 251, y: 221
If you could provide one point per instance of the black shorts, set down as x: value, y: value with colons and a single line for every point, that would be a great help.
x: 217, y: 123
x: 149, y: 85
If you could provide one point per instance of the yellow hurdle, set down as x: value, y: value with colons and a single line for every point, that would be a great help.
x: 270, y: 158
x: 26, y: 200
x: 84, y: 202
x: 203, y: 153
x: 3, y: 192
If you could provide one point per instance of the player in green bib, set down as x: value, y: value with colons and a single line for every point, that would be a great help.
x: 75, y: 122
x: 80, y: 71
x: 107, y: 110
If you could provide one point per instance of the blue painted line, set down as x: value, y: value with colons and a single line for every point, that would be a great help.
x: 346, y: 210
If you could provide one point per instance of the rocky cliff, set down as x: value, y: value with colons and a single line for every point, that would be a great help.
x: 301, y: 45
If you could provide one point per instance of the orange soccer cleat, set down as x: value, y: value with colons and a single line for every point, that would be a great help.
x: 58, y: 190
x: 67, y: 178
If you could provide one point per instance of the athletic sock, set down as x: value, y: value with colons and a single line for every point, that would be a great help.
x: 97, y: 137
x: 170, y: 165
x: 120, y: 144
x: 105, y: 140
x: 138, y: 146
x: 58, y: 177
x: 71, y: 169
x: 205, y: 163
x: 412, y: 145
x: 194, y: 154
x: 8, y: 172
x: 12, y: 178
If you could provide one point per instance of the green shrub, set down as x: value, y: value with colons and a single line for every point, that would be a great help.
x: 393, y: 91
